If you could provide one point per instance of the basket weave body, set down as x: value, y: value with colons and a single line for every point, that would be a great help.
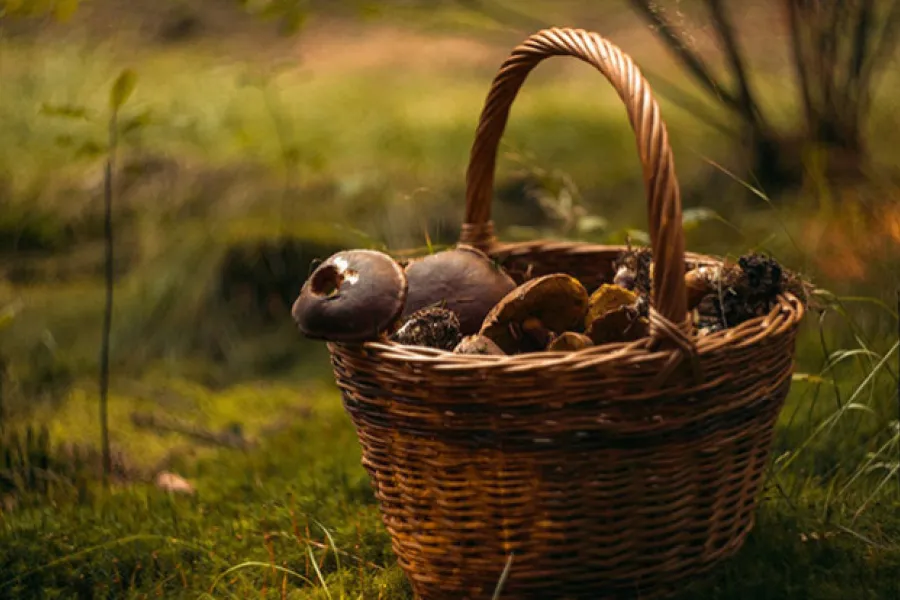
x: 616, y: 471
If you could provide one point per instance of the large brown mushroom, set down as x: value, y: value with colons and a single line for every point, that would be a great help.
x: 463, y: 279
x: 529, y: 317
x: 353, y: 296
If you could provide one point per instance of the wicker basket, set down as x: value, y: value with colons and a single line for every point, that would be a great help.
x: 621, y: 470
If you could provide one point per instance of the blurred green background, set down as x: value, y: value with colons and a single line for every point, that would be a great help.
x: 263, y: 136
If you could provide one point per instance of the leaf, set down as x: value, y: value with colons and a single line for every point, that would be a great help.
x: 809, y: 377
x: 638, y: 236
x: 591, y: 223
x: 65, y: 9
x: 694, y: 217
x: 122, y: 89
x: 860, y: 407
x: 136, y: 123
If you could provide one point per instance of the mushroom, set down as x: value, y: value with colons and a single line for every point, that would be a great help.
x: 353, y: 296
x: 634, y: 269
x: 463, y: 279
x: 698, y: 282
x: 614, y: 315
x: 570, y: 341
x: 478, y: 344
x: 528, y: 317
x: 433, y: 327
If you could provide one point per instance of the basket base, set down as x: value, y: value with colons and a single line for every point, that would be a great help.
x: 584, y: 586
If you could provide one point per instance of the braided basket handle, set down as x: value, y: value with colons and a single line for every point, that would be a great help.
x: 663, y: 195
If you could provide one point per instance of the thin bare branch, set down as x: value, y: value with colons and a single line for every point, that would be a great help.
x: 800, y: 60
x: 692, y: 62
x: 860, y: 48
x: 880, y: 55
x: 728, y: 37
x: 830, y: 37
x: 108, y: 308
x: 862, y: 35
x: 665, y: 88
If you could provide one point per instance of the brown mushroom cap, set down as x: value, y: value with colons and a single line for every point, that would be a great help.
x: 557, y: 301
x: 570, y: 341
x: 354, y: 296
x: 606, y: 298
x: 623, y: 324
x: 478, y: 344
x: 613, y: 315
x: 463, y: 280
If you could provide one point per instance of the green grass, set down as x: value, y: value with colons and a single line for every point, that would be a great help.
x: 365, y: 147
x: 258, y: 516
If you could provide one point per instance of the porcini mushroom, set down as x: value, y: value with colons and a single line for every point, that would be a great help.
x: 614, y: 315
x: 353, y: 296
x: 528, y: 317
x: 463, y: 279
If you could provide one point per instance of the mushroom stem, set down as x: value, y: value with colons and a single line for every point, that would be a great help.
x: 535, y: 330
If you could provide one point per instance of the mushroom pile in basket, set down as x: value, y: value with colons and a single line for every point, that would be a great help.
x: 460, y: 300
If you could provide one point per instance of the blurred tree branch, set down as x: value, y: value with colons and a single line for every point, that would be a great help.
x: 837, y: 51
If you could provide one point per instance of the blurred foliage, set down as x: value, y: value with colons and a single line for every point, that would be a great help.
x: 61, y: 10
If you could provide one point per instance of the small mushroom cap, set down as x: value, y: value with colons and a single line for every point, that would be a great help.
x: 623, y: 324
x: 558, y: 301
x: 354, y: 296
x: 614, y: 316
x: 478, y: 344
x: 606, y: 298
x: 463, y: 279
x: 570, y: 341
x: 698, y: 283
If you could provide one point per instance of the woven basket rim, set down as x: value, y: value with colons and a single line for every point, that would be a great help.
x: 789, y: 309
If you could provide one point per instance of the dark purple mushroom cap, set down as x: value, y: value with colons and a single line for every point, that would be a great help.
x: 463, y: 280
x: 354, y: 296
